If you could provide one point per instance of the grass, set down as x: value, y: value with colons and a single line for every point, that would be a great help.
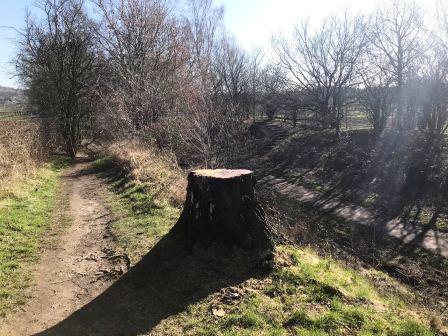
x: 25, y: 214
x: 11, y: 117
x: 305, y: 295
x: 141, y: 216
x: 370, y: 200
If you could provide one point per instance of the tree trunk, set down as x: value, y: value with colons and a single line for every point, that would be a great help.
x: 221, y: 209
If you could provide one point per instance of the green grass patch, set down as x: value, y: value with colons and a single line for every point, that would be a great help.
x: 141, y: 218
x: 25, y: 214
x: 370, y: 200
x: 304, y: 295
x: 11, y: 117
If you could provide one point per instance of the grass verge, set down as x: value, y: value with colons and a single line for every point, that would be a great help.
x: 25, y: 214
x: 304, y: 295
x: 142, y: 216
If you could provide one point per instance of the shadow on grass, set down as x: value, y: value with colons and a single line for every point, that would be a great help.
x: 163, y: 283
x: 407, y: 261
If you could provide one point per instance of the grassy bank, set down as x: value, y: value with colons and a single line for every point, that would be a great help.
x: 304, y: 295
x: 25, y: 214
x: 142, y: 213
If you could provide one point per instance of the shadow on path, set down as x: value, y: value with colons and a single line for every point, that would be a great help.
x: 163, y: 283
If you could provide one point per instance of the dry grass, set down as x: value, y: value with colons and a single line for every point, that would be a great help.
x: 22, y: 149
x: 147, y: 194
x: 158, y: 172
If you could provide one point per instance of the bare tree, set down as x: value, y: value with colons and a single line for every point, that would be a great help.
x: 203, y: 22
x: 273, y: 84
x: 433, y: 91
x: 231, y: 75
x: 321, y: 63
x: 142, y: 44
x: 375, y: 91
x: 209, y: 124
x: 57, y: 62
x: 396, y: 35
x: 255, y: 60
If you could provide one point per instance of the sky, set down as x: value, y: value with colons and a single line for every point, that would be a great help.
x: 251, y: 22
x: 12, y: 14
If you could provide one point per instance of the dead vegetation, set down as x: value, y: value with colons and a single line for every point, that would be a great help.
x: 144, y: 166
x: 23, y: 146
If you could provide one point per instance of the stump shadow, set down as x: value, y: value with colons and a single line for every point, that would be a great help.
x: 165, y: 282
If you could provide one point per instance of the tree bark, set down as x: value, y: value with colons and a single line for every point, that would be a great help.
x: 220, y: 208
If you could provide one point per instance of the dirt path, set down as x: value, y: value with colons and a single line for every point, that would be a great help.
x: 78, y: 262
x: 425, y: 237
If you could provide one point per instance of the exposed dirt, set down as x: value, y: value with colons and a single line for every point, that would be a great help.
x: 78, y: 262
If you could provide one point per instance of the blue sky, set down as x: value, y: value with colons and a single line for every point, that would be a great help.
x: 12, y: 14
x: 252, y: 22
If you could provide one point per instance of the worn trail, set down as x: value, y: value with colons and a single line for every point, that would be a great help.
x: 78, y: 262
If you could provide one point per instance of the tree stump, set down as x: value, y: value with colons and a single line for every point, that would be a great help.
x: 221, y: 208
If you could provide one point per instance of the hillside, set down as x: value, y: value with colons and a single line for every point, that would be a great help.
x: 10, y: 95
x: 142, y: 283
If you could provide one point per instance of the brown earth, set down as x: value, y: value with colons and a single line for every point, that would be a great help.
x: 84, y: 285
x: 78, y: 262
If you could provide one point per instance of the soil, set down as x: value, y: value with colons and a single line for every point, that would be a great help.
x: 77, y: 263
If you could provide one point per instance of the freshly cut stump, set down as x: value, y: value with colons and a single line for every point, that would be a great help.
x: 221, y: 208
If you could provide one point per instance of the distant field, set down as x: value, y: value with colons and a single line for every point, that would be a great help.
x: 353, y: 119
x: 10, y: 112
